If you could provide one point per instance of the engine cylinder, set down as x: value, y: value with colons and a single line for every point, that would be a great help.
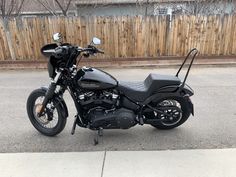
x: 104, y: 99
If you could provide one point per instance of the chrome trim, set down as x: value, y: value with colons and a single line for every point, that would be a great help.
x: 56, y: 77
x: 49, y: 51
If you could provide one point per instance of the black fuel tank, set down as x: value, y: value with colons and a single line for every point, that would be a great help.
x: 95, y: 79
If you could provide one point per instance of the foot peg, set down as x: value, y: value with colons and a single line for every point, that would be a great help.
x: 99, y: 134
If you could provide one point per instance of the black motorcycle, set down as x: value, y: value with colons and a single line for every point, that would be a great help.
x: 101, y: 101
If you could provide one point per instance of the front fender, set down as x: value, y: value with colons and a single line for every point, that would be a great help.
x: 60, y: 101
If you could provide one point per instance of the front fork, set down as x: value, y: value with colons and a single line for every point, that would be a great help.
x: 50, y: 93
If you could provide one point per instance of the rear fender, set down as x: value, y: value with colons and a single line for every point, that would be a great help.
x: 168, y: 89
x: 177, y: 88
x: 61, y: 103
x: 188, y: 90
x: 191, y: 107
x: 173, y: 91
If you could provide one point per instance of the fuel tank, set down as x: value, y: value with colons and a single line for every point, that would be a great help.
x: 95, y: 79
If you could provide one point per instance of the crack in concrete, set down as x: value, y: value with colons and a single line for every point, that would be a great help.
x: 103, y: 164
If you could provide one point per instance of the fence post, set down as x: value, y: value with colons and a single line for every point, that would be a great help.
x: 168, y: 31
x: 9, y: 39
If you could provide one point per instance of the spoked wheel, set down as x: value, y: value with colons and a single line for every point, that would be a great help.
x: 175, y: 113
x: 52, y: 121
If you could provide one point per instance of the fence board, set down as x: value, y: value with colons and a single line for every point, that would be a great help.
x: 139, y: 36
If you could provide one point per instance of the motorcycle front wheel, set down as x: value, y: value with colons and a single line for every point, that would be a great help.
x: 52, y: 121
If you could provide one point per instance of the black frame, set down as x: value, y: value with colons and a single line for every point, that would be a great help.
x: 142, y: 105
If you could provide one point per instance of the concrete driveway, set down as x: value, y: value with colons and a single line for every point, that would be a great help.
x: 176, y: 163
x: 213, y: 126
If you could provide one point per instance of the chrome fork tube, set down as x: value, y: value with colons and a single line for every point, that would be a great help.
x: 50, y: 92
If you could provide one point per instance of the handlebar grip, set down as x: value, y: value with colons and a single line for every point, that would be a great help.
x: 100, y: 51
x: 93, y: 50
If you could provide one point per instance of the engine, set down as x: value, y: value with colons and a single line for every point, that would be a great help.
x: 118, y: 119
x: 103, y: 99
x: 100, y: 110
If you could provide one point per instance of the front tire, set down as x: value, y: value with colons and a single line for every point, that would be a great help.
x: 180, y: 112
x: 52, y: 122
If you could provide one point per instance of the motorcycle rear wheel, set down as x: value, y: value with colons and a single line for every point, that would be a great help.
x: 180, y: 113
x: 52, y: 121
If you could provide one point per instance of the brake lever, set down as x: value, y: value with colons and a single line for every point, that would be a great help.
x: 99, y: 51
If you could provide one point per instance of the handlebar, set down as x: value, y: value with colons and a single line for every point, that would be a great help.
x: 100, y: 51
x: 87, y: 51
x: 91, y: 50
x: 63, y: 50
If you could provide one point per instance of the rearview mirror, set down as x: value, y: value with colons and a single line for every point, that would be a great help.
x: 57, y: 37
x: 96, y: 41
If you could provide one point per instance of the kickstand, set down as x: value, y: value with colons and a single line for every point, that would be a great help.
x: 74, y: 126
x: 99, y: 134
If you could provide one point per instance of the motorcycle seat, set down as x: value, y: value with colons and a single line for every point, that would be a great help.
x: 141, y: 90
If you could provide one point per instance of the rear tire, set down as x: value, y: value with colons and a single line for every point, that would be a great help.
x: 40, y: 123
x: 184, y: 106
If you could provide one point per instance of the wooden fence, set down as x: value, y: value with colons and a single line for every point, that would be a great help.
x: 149, y: 36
